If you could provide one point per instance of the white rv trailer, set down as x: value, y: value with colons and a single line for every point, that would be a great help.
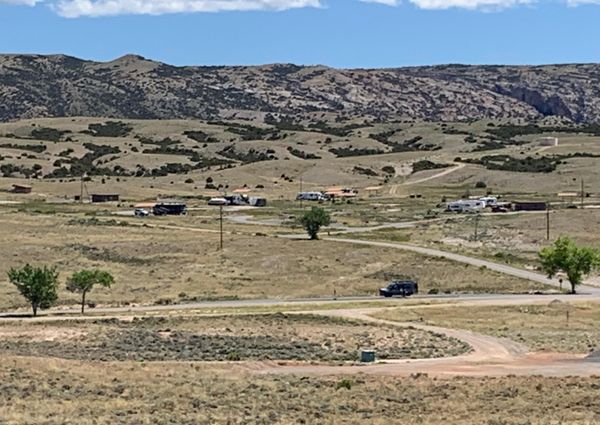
x: 490, y: 201
x: 466, y: 205
x: 310, y: 196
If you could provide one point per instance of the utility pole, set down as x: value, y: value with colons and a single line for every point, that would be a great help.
x: 82, y: 185
x: 582, y: 192
x: 548, y: 222
x: 221, y: 226
x: 476, y: 225
x: 301, y: 189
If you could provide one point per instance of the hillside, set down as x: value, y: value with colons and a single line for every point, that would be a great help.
x: 144, y: 158
x: 132, y: 87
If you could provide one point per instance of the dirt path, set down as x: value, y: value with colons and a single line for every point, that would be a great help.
x: 394, y: 188
x: 489, y: 356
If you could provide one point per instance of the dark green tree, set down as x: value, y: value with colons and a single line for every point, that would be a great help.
x: 84, y: 281
x: 39, y: 285
x: 313, y: 220
x: 576, y: 262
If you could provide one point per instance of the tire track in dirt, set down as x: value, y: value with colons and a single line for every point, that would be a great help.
x: 489, y: 356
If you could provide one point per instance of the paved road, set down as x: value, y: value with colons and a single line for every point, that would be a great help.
x: 501, y: 268
x: 299, y: 303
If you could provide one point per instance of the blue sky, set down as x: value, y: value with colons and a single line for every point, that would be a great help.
x: 340, y: 33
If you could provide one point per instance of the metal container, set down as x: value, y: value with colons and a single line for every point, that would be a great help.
x: 367, y: 356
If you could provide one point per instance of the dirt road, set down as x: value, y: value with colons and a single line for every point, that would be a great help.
x: 489, y: 356
x: 394, y: 188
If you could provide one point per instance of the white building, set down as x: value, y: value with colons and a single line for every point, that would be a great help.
x: 548, y: 141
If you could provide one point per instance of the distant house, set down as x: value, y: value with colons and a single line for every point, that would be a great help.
x: 21, y: 188
x: 98, y: 198
x: 548, y: 141
x: 530, y: 206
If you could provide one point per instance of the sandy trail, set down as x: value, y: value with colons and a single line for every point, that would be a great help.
x: 394, y: 188
x: 489, y: 356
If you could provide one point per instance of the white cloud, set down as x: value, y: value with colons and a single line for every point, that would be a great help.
x: 471, y: 4
x: 578, y: 2
x: 20, y: 2
x: 95, y: 8
x: 386, y: 2
x: 77, y: 8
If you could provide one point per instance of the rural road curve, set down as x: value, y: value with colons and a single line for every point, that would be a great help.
x: 501, y: 268
x: 489, y: 356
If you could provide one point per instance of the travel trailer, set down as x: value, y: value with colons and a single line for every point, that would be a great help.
x: 464, y: 206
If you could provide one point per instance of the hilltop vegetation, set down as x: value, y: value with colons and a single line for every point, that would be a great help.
x: 134, y: 87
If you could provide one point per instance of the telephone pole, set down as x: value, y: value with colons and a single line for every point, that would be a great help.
x: 221, y: 226
x: 82, y: 185
x: 301, y: 189
x: 582, y: 192
x: 548, y: 222
x: 476, y: 225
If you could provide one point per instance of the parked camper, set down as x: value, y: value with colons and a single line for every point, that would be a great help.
x: 257, y: 202
x: 141, y: 212
x: 237, y: 199
x: 489, y: 201
x: 530, y: 206
x: 464, y: 206
x: 170, y: 208
x: 310, y: 196
x: 217, y: 201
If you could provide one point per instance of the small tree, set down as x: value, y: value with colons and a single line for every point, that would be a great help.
x: 84, y: 281
x: 39, y: 285
x: 313, y: 220
x: 575, y: 261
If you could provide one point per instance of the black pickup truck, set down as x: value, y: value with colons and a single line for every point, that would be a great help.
x: 404, y: 288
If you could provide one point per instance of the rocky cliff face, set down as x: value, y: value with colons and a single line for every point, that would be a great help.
x: 134, y: 87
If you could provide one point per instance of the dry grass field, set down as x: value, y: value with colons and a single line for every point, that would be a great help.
x: 507, y: 238
x: 273, y: 161
x: 155, y: 265
x: 220, y: 338
x: 556, y: 326
x: 52, y: 391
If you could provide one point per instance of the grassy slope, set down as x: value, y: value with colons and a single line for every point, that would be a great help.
x: 540, y: 327
x: 150, y: 264
x: 127, y: 393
